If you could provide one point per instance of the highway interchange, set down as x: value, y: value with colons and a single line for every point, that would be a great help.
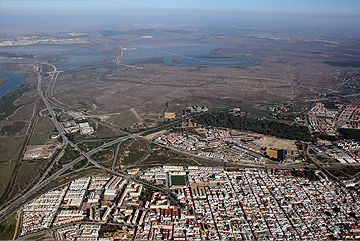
x: 44, y: 180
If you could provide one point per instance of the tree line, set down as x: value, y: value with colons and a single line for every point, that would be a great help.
x: 350, y: 134
x: 266, y: 127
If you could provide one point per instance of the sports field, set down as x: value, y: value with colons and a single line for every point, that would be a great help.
x: 177, y: 180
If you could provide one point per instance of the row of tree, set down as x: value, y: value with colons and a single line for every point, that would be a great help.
x: 272, y: 128
x: 350, y: 134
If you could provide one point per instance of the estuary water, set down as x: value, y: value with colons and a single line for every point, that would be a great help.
x: 183, y: 54
x: 173, y: 53
x: 14, y: 80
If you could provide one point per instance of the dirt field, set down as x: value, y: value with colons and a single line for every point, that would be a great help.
x: 154, y: 135
x: 277, y: 143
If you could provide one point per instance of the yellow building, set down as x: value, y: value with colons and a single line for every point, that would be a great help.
x: 169, y: 115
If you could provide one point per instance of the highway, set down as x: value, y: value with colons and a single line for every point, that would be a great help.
x: 43, y: 180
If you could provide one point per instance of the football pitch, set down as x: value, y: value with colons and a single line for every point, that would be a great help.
x: 177, y: 180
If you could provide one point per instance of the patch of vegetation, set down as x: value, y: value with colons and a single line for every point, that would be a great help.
x: 56, y: 167
x: 76, y: 137
x: 325, y: 159
x: 309, y: 174
x: 131, y: 151
x: 223, y: 119
x: 28, y: 171
x: 107, y: 164
x: 349, y: 63
x: 345, y: 171
x: 7, y: 106
x: 57, y: 110
x: 123, y: 120
x: 102, y: 156
x: 256, y: 111
x: 10, y: 151
x: 108, y: 230
x: 331, y: 105
x: 89, y: 145
x: 325, y: 137
x: 105, y: 132
x: 69, y: 155
x: 11, y: 130
x: 164, y: 156
x: 114, y: 146
x: 65, y: 117
x: 6, y: 171
x: 350, y: 134
x: 80, y: 164
x: 45, y: 112
x: 146, y: 194
x: 348, y: 89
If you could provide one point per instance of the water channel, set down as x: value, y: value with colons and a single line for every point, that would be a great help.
x: 14, y: 80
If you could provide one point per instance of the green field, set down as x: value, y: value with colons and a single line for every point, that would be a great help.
x: 103, y: 155
x: 11, y: 130
x: 28, y: 171
x: 10, y: 149
x: 160, y: 156
x: 6, y: 171
x: 123, y: 120
x: 70, y: 155
x: 177, y: 180
x: 43, y: 129
x: 131, y: 151
x: 7, y: 227
x: 7, y: 106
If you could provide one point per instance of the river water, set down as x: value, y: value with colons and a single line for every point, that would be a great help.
x: 14, y: 80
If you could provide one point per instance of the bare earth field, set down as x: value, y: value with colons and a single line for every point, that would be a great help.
x: 277, y: 143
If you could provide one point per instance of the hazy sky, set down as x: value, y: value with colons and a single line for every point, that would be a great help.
x: 29, y: 16
x: 319, y: 8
